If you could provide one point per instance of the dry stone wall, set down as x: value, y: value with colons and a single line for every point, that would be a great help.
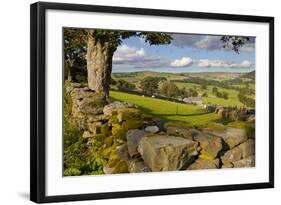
x: 130, y: 142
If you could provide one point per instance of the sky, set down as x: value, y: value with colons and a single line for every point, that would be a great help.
x: 186, y: 53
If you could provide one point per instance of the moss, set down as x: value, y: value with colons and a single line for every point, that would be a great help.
x: 108, y: 141
x: 107, y: 152
x: 72, y: 172
x: 216, y: 126
x: 113, y: 120
x: 121, y: 167
x: 105, y: 130
x: 249, y: 127
x: 113, y: 161
x: 132, y: 124
x: 205, y: 155
x: 119, y: 132
x: 236, y: 124
x: 125, y: 114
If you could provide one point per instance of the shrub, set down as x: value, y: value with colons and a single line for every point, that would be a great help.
x: 169, y: 89
x: 122, y: 84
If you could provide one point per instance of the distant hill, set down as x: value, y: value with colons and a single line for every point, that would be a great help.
x: 250, y: 75
x: 172, y: 76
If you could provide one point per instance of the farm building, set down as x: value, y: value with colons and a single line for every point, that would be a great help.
x: 193, y: 100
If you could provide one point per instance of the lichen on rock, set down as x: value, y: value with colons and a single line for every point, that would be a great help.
x: 166, y: 153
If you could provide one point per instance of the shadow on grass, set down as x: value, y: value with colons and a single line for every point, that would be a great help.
x: 184, y: 115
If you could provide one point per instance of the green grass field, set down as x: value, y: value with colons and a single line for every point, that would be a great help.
x: 168, y: 111
x: 232, y: 100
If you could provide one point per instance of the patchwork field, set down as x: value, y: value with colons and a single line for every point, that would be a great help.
x: 232, y: 100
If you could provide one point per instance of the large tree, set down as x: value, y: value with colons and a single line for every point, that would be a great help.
x: 101, y: 45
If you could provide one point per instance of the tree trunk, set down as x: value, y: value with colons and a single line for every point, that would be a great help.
x: 99, y: 65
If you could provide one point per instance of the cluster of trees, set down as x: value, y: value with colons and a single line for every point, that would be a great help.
x: 123, y: 84
x: 75, y: 64
x: 249, y: 102
x: 218, y: 94
x: 159, y: 85
x: 170, y: 89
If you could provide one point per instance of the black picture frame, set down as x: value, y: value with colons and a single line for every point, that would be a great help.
x: 38, y: 101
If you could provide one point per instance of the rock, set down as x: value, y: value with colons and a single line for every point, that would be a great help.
x: 243, y: 117
x: 233, y: 115
x: 108, y: 170
x: 227, y: 166
x: 152, y: 129
x: 232, y: 155
x: 119, y: 167
x: 231, y: 136
x: 187, y: 133
x: 247, y: 162
x: 133, y: 138
x: 137, y: 166
x: 204, y: 164
x: 210, y: 145
x: 86, y: 134
x: 107, y: 110
x: 96, y: 118
x: 247, y: 148
x: 223, y: 113
x: 218, y: 108
x: 210, y: 108
x: 122, y: 152
x: 89, y: 102
x: 166, y: 153
x: 251, y: 119
x: 95, y: 127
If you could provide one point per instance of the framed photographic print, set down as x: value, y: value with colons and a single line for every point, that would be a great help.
x: 129, y: 102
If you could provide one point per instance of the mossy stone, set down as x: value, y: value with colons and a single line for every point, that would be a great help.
x: 113, y: 120
x: 121, y: 167
x: 132, y: 124
x: 125, y: 114
x: 108, y: 141
x: 119, y: 132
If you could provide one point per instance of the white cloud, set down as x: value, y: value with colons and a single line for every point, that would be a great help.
x: 224, y: 64
x: 126, y: 53
x: 246, y: 64
x: 183, y: 62
x: 137, y: 58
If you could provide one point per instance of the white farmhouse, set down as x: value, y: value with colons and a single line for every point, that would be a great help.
x: 193, y: 100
